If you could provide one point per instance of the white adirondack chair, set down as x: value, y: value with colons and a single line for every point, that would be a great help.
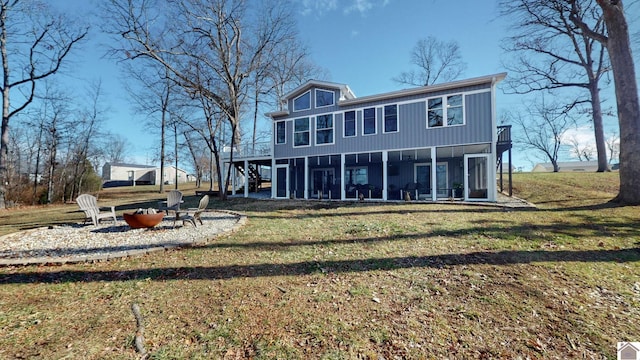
x: 89, y: 204
x: 174, y: 199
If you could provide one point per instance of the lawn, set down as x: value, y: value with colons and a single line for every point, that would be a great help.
x: 331, y: 280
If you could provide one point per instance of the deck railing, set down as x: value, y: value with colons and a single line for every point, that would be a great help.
x: 504, y: 134
x: 248, y: 150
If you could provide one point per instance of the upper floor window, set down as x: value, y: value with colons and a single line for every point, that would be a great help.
x: 324, y: 98
x: 301, y: 132
x: 349, y: 123
x: 455, y: 113
x: 391, y: 118
x: 450, y: 108
x: 302, y: 102
x: 324, y: 129
x: 281, y: 135
x: 369, y: 121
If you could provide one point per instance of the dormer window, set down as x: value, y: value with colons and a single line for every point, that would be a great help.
x: 324, y: 98
x: 302, y: 102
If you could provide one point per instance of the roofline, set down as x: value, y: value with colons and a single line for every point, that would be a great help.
x: 493, y: 79
x: 302, y: 88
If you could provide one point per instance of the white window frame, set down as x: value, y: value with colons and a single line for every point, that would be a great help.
x: 298, y: 97
x: 384, y: 119
x: 333, y: 130
x: 295, y: 132
x: 445, y: 106
x: 375, y: 120
x: 355, y: 124
x: 285, y: 132
x: 333, y: 98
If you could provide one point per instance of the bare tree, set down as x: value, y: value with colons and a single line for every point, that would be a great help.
x: 33, y: 46
x: 543, y: 127
x: 84, y: 134
x: 613, y: 145
x: 153, y: 93
x: 437, y: 61
x: 619, y: 48
x: 222, y: 42
x: 581, y: 150
x: 115, y: 148
x: 550, y: 53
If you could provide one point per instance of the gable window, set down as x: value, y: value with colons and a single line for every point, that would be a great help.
x: 324, y: 98
x: 324, y: 129
x: 391, y: 118
x: 301, y: 132
x: 302, y: 102
x: 281, y: 135
x: 450, y: 108
x: 369, y: 121
x: 349, y: 123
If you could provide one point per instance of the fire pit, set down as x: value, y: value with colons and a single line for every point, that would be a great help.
x: 142, y: 220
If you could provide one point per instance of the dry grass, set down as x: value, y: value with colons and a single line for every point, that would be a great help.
x: 351, y: 280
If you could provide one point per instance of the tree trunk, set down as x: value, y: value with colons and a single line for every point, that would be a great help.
x: 619, y: 49
x: 598, y: 127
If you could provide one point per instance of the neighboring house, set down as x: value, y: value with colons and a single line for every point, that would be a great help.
x: 429, y: 143
x: 121, y: 174
x: 568, y: 166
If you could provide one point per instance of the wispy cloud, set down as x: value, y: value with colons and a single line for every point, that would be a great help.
x: 319, y: 7
x: 361, y: 6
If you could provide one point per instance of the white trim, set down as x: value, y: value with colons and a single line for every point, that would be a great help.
x: 490, y: 180
x: 286, y: 181
x: 397, y: 119
x: 275, y: 125
x: 355, y: 124
x: 445, y: 108
x: 490, y: 79
x: 293, y: 133
x: 333, y: 129
x: 293, y: 104
x: 375, y: 120
x: 315, y: 99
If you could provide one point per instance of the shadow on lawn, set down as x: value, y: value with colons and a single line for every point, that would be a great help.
x: 310, y: 267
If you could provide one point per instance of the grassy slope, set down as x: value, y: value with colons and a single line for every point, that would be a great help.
x: 336, y: 280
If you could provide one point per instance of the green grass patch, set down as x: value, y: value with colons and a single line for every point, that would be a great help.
x: 333, y: 280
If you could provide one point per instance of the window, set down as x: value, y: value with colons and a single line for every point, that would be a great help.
x: 356, y: 176
x: 281, y: 135
x: 453, y: 111
x: 324, y: 129
x: 302, y: 102
x: 301, y: 132
x: 349, y: 123
x: 324, y: 98
x: 434, y: 112
x: 369, y: 120
x: 391, y: 118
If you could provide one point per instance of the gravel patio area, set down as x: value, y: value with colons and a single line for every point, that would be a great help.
x: 85, y: 242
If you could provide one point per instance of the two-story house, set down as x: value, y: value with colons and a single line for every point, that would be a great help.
x: 427, y: 143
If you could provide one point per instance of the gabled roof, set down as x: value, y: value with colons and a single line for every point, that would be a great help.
x: 349, y: 98
x: 345, y: 91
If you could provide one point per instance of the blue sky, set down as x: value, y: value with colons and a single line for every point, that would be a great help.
x: 361, y: 43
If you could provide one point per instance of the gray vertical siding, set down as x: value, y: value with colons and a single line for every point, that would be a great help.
x: 412, y: 125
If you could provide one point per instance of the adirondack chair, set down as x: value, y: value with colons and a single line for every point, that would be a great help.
x: 89, y: 205
x: 193, y: 214
x: 174, y: 198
